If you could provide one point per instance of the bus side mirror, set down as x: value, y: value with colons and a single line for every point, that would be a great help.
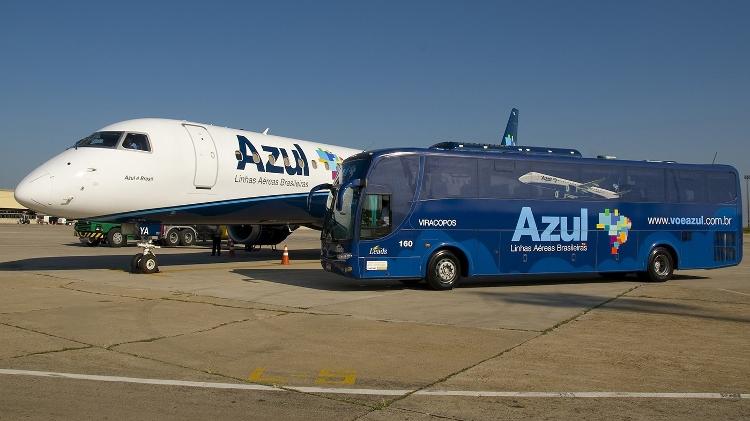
x: 354, y: 184
x: 319, y: 187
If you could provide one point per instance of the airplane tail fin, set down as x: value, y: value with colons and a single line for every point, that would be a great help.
x: 510, y: 137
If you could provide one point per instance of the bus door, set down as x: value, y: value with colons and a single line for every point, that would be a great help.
x: 384, y: 252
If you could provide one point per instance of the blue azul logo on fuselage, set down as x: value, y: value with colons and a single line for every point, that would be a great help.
x: 526, y: 226
x: 247, y: 154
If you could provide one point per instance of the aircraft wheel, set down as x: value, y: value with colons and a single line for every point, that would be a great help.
x: 172, y: 239
x: 135, y: 263
x: 187, y: 237
x: 148, y: 264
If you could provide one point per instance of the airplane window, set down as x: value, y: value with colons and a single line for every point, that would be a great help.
x: 100, y: 140
x: 286, y: 162
x: 271, y: 159
x: 136, y: 142
x: 315, y: 165
x: 256, y: 158
x: 301, y: 163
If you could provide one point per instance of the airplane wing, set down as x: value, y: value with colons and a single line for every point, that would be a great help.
x: 593, y: 183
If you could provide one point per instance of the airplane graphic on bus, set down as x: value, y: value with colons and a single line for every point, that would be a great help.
x: 591, y: 188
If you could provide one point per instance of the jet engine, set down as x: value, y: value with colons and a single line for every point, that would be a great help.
x: 260, y: 235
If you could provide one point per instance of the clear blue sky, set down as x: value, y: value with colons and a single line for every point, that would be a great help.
x: 656, y: 80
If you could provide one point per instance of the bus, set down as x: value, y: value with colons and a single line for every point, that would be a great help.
x: 456, y: 211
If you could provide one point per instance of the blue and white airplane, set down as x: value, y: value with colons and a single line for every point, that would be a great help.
x: 183, y: 172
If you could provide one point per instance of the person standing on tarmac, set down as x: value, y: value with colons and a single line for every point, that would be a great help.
x: 216, y: 246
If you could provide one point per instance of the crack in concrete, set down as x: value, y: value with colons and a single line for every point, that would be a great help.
x: 44, y: 333
x: 154, y: 339
x: 411, y: 411
x: 689, y: 299
x: 69, y: 348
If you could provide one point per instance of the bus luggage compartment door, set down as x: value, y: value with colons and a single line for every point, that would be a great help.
x: 389, y: 267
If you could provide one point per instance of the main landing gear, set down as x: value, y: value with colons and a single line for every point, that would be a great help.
x: 145, y: 262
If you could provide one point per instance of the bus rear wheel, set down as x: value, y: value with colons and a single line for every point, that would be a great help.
x: 443, y: 270
x: 660, y: 265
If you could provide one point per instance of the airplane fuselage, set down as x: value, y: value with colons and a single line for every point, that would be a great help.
x: 186, y: 173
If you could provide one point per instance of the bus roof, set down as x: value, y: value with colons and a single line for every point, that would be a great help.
x: 481, y: 153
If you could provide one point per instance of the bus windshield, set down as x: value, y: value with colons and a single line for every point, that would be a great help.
x: 340, y: 224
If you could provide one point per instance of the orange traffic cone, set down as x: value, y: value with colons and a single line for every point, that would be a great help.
x: 285, y: 256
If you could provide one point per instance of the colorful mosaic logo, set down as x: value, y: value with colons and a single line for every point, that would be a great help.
x: 617, y: 226
x: 330, y: 160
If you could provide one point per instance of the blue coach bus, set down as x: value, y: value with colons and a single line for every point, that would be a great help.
x: 455, y: 211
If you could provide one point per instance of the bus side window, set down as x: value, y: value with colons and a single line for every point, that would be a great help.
x: 644, y: 184
x: 498, y: 179
x: 603, y: 176
x: 722, y: 187
x: 376, y: 216
x: 450, y: 177
x: 673, y: 195
x: 563, y: 188
x: 691, y: 186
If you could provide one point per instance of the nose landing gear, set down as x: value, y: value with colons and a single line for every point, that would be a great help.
x: 145, y: 262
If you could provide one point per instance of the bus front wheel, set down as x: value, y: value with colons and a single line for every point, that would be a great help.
x: 443, y: 270
x: 660, y: 265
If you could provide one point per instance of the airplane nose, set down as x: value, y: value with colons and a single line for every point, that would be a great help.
x: 35, y: 192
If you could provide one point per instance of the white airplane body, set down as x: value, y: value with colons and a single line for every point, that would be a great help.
x: 534, y: 177
x: 183, y: 172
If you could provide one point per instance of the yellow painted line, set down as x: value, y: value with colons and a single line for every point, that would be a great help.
x: 336, y: 377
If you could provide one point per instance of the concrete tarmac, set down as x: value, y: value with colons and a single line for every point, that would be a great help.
x: 244, y: 337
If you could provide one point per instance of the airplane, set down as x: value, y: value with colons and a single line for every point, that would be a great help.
x: 591, y: 187
x: 184, y: 172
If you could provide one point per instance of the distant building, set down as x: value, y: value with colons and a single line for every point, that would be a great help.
x: 10, y: 210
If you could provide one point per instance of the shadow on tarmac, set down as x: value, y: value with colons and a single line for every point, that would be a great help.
x: 122, y: 261
x: 320, y: 280
x: 626, y: 303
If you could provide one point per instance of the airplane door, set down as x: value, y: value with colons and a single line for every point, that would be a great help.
x: 206, y: 159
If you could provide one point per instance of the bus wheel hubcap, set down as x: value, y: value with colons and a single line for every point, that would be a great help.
x: 173, y: 238
x: 446, y: 270
x: 661, y: 266
x: 150, y: 263
x: 117, y: 237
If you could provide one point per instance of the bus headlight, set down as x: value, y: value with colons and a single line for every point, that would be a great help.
x: 344, y: 256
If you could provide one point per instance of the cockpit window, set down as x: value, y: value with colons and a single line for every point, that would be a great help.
x: 136, y: 142
x: 100, y: 140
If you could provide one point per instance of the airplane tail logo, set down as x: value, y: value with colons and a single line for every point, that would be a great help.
x: 510, y: 137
